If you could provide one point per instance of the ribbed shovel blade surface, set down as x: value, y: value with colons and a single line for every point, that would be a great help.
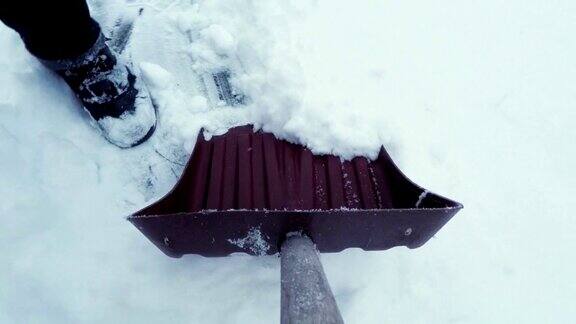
x: 243, y: 191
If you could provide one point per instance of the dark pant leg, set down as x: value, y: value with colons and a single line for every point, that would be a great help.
x: 51, y: 29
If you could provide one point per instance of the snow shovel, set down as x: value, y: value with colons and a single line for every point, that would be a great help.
x: 249, y: 192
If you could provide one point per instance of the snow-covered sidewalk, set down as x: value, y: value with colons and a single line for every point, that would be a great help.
x: 473, y: 100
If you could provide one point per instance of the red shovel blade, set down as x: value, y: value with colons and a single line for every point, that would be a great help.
x: 244, y: 191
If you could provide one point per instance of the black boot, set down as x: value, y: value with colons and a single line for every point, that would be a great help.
x: 111, y: 92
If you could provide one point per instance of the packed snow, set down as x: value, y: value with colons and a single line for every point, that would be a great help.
x: 253, y: 241
x: 474, y: 100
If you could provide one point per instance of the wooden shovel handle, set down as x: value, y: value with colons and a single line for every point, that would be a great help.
x: 306, y: 295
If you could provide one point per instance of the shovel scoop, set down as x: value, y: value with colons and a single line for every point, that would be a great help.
x: 250, y: 192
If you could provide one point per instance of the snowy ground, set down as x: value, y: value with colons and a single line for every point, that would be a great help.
x: 474, y: 99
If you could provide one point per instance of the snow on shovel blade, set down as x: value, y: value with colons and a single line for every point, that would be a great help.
x: 244, y: 191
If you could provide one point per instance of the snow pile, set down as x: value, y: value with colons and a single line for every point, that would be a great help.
x: 260, y: 43
x: 473, y: 100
